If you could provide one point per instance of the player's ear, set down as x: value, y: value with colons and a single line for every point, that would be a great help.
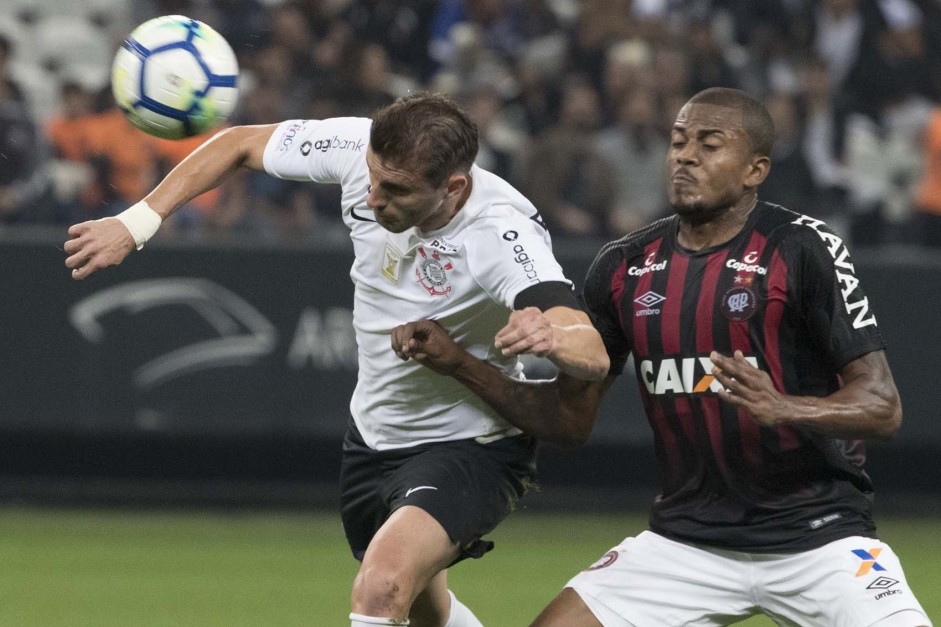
x: 757, y: 171
x: 457, y: 183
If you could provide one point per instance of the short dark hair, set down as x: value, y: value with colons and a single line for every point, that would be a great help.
x: 427, y: 129
x: 756, y: 121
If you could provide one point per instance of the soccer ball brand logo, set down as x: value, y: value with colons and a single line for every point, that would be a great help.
x: 175, y: 77
x: 432, y: 273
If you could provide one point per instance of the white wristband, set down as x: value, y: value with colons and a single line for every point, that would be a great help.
x: 141, y: 221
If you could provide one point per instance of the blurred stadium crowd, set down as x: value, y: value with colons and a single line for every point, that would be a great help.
x: 574, y: 100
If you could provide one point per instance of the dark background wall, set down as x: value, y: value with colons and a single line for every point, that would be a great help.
x: 222, y: 374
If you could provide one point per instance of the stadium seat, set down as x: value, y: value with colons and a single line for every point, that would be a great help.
x: 60, y: 39
x: 40, y: 86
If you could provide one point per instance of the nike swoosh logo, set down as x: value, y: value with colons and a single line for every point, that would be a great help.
x: 421, y: 487
x: 361, y: 218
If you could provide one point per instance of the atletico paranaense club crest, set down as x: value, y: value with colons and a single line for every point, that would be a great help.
x: 432, y: 273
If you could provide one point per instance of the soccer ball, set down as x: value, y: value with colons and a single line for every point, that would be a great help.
x: 175, y: 77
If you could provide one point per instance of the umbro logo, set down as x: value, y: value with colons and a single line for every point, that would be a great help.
x: 417, y: 488
x: 647, y: 301
x: 882, y: 583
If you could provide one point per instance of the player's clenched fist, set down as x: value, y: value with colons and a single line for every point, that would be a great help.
x: 429, y: 344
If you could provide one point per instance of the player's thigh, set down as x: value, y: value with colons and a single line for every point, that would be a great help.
x: 469, y: 488
x: 411, y: 547
x: 651, y: 581
x: 567, y: 610
x: 852, y: 582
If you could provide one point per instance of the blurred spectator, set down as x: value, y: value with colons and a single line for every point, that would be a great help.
x: 370, y: 83
x: 200, y: 211
x: 566, y: 177
x: 600, y: 24
x: 708, y: 66
x: 628, y: 68
x: 500, y: 143
x: 120, y: 157
x: 820, y: 145
x: 635, y: 147
x: 402, y: 28
x: 23, y: 182
x: 790, y: 182
x: 883, y: 161
x: 71, y: 173
x: 927, y: 220
x: 846, y: 80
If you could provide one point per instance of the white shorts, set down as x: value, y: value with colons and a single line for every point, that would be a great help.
x: 652, y: 581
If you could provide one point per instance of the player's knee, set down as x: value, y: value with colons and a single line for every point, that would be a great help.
x: 383, y: 591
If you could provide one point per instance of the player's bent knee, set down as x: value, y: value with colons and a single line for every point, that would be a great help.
x: 379, y: 591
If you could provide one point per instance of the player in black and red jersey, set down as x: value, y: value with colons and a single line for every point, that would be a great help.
x: 762, y: 371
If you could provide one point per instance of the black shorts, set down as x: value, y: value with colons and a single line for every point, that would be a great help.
x: 466, y: 486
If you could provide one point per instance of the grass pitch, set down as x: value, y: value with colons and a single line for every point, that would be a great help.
x: 73, y: 568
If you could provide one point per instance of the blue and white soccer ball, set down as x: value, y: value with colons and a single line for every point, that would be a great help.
x: 175, y: 77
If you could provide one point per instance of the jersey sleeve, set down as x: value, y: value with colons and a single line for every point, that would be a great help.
x: 324, y: 151
x: 509, y: 255
x: 600, y: 299
x: 833, y: 303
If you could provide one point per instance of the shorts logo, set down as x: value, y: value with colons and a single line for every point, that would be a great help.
x: 869, y: 560
x: 305, y: 148
x: 432, y: 273
x: 882, y: 583
x: 647, y: 300
x: 738, y: 304
x: 511, y: 236
x: 417, y: 488
x: 606, y: 560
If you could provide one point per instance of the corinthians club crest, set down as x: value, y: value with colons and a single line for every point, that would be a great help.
x: 432, y: 273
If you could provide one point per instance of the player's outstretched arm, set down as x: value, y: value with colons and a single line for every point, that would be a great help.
x: 97, y: 244
x: 867, y: 406
x: 561, y: 411
x: 562, y: 334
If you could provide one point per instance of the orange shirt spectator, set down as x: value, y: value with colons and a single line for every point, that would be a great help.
x: 123, y: 156
x: 929, y: 192
x: 170, y: 152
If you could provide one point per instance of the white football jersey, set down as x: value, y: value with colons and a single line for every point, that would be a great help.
x: 465, y: 276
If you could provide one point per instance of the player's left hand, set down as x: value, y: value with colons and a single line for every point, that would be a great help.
x: 429, y: 344
x: 528, y: 331
x: 97, y: 244
x: 749, y: 388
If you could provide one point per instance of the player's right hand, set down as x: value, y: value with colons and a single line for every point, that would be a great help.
x: 429, y: 344
x: 97, y: 244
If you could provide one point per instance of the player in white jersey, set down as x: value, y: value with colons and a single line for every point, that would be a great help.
x: 428, y: 468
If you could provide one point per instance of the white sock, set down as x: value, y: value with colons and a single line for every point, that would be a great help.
x: 359, y: 620
x: 461, y: 616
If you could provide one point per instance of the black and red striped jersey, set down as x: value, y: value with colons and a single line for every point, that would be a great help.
x: 783, y: 291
